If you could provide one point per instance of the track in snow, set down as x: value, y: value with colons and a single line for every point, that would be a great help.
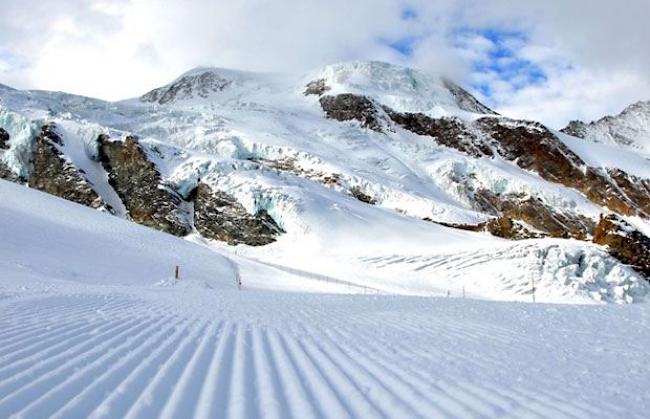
x: 190, y: 353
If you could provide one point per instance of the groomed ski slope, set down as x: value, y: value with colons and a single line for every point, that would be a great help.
x: 92, y: 325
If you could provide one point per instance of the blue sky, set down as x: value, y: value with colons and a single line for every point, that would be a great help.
x: 503, y: 60
x: 498, y: 56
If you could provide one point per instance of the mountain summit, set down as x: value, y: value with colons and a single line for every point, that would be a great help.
x: 630, y: 128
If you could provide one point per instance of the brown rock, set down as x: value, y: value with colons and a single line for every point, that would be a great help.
x: 450, y: 132
x: 533, y: 212
x: 53, y: 174
x: 624, y: 242
x: 349, y: 107
x: 219, y: 216
x: 7, y: 174
x: 533, y: 147
x: 139, y: 185
x: 503, y: 227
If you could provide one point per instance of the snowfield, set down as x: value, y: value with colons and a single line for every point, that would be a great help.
x: 366, y: 303
x: 92, y: 324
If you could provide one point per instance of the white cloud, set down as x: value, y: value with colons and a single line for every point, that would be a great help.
x: 574, y: 94
x: 595, y: 51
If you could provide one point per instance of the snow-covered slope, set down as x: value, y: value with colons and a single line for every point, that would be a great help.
x: 386, y: 209
x: 630, y: 128
x: 287, y: 193
x: 47, y: 238
x: 92, y: 325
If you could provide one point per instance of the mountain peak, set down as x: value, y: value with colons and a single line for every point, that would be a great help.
x: 402, y: 88
x: 630, y: 128
x: 199, y: 82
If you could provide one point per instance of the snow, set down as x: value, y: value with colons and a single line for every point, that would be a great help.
x: 92, y: 325
x: 22, y: 130
x: 48, y: 237
x: 356, y: 310
x: 634, y: 162
x: 401, y: 88
x: 630, y: 129
x: 329, y: 234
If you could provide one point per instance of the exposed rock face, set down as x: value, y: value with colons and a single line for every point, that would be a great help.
x: 4, y: 139
x: 316, y: 87
x: 139, y: 185
x: 634, y: 188
x: 529, y: 145
x: 450, y: 132
x: 533, y: 147
x: 362, y: 196
x: 7, y: 174
x: 624, y: 242
x: 349, y: 107
x: 533, y: 212
x: 219, y: 216
x: 575, y: 128
x: 289, y: 165
x: 504, y: 227
x: 53, y: 174
x: 507, y: 228
x: 465, y: 100
x: 201, y: 84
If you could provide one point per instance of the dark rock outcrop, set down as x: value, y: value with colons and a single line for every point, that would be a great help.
x: 533, y: 147
x: 350, y: 107
x: 7, y: 174
x: 53, y: 174
x: 360, y: 195
x: 504, y: 227
x: 4, y: 139
x: 219, y: 216
x: 139, y: 185
x: 624, y: 242
x: 450, y: 132
x: 575, y: 128
x: 316, y: 87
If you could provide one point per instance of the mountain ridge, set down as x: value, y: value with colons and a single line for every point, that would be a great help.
x: 629, y: 128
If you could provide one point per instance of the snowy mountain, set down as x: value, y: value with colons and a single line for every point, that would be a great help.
x: 246, y: 245
x: 93, y: 324
x: 629, y: 129
x: 364, y: 173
